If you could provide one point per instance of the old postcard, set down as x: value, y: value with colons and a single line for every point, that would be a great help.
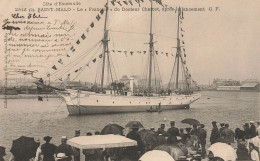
x: 129, y: 80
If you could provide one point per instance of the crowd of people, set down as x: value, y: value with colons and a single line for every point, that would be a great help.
x: 246, y: 150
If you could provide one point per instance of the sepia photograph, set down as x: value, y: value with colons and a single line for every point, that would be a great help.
x: 129, y: 80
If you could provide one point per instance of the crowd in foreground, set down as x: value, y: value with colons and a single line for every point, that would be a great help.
x: 246, y: 150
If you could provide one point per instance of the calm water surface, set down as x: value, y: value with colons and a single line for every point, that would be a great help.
x: 29, y: 117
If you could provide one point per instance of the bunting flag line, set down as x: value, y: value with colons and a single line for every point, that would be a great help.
x: 54, y: 67
x: 76, y: 70
x: 183, y: 42
x: 101, y: 11
x: 78, y: 42
x: 119, y: 3
x: 48, y: 75
x: 83, y: 36
x: 138, y: 1
x: 68, y: 75
x: 184, y: 55
x: 131, y: 52
x: 94, y: 60
x: 184, y: 49
x: 144, y: 52
x: 156, y: 52
x: 100, y: 56
x: 181, y: 35
x: 113, y: 3
x: 159, y: 2
x: 87, y: 30
x: 113, y: 50
x: 119, y: 51
x: 166, y: 54
x: 182, y: 30
x: 68, y: 55
x: 87, y: 65
x: 130, y: 2
x: 92, y: 25
x: 98, y: 17
x: 60, y: 79
x: 125, y: 2
x: 60, y: 61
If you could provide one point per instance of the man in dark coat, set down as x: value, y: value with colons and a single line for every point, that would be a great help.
x: 222, y: 127
x: 172, y: 132
x: 214, y: 133
x: 202, y: 137
x: 252, y: 130
x: 246, y: 131
x: 194, y: 131
x: 162, y: 130
x: 230, y: 135
x: 134, y: 152
x: 48, y: 149
x: 65, y: 148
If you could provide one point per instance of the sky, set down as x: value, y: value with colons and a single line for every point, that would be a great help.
x: 219, y: 44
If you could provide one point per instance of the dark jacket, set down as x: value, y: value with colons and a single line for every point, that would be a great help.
x: 133, y: 150
x: 48, y: 151
x: 202, y: 136
x: 173, y: 132
x: 214, y: 135
x: 239, y: 135
x: 67, y: 149
x: 230, y: 135
x: 242, y: 153
x: 161, y: 139
x: 252, y: 131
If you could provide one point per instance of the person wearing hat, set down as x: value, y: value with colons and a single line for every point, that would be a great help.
x: 230, y: 135
x: 48, y: 149
x: 172, y: 132
x: 2, y: 153
x: 222, y: 127
x: 134, y: 151
x: 202, y: 138
x: 252, y: 130
x: 65, y: 148
x: 214, y: 133
x: 76, y: 151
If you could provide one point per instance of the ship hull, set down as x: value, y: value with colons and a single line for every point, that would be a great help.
x: 91, y: 103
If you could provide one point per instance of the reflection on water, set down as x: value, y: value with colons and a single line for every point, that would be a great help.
x: 33, y: 118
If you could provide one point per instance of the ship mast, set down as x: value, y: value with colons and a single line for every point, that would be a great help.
x: 178, y: 51
x: 105, y: 47
x: 151, y: 51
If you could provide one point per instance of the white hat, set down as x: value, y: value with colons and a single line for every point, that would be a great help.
x: 252, y: 122
x: 64, y: 138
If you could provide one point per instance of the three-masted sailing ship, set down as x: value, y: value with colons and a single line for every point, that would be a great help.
x: 176, y: 95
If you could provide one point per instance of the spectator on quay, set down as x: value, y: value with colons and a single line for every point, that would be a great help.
x: 134, y: 152
x: 222, y: 127
x: 230, y: 135
x: 246, y: 131
x: 161, y: 139
x: 172, y: 132
x: 202, y: 138
x: 48, y: 149
x: 252, y: 130
x: 258, y: 129
x: 214, y: 133
x: 195, y: 131
x: 164, y: 133
x: 242, y: 151
x: 66, y: 149
x: 239, y: 135
x: 76, y: 151
x: 89, y: 153
x: 254, y: 154
x: 2, y: 153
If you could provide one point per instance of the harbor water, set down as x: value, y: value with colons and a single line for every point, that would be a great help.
x: 30, y: 117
